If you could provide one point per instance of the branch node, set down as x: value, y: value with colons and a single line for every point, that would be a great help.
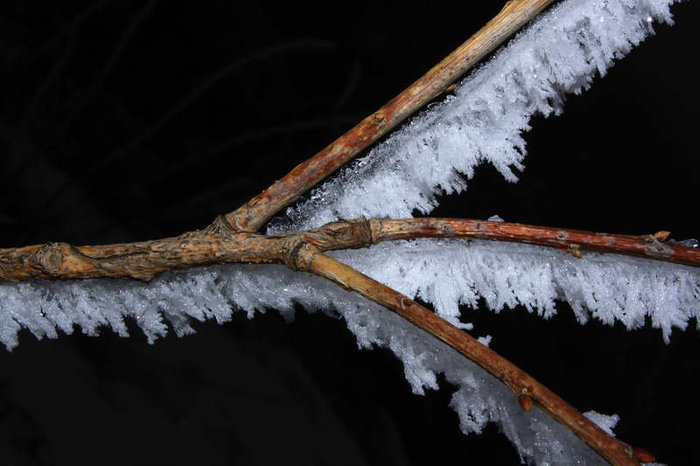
x: 656, y: 248
x: 662, y: 236
x: 379, y: 120
x: 221, y: 226
x: 525, y: 402
x: 300, y: 256
x: 55, y: 259
x: 575, y: 251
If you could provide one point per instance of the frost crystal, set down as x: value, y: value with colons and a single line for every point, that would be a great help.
x: 608, y: 287
x: 560, y: 53
x: 605, y: 422
x: 215, y: 292
x: 444, y: 273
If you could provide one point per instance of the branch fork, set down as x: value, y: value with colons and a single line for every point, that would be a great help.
x: 232, y: 238
x: 304, y: 251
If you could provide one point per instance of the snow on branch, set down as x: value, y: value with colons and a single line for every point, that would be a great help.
x: 450, y: 273
x: 442, y: 272
x: 482, y: 122
x: 560, y: 53
x: 173, y: 299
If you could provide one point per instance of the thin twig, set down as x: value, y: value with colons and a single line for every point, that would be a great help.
x: 220, y: 243
x: 526, y: 388
x: 651, y: 246
x: 256, y: 212
x: 231, y: 239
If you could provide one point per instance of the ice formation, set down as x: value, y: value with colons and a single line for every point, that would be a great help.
x: 444, y: 273
x: 608, y: 287
x: 559, y: 53
x: 175, y: 298
x: 483, y: 122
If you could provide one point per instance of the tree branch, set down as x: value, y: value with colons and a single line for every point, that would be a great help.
x: 651, y: 246
x: 220, y: 243
x: 256, y: 212
x: 309, y: 258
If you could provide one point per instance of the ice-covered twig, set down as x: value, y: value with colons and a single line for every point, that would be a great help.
x: 526, y: 388
x: 256, y: 212
x: 484, y: 120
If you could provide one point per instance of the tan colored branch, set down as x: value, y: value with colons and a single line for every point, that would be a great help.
x: 526, y: 388
x: 216, y: 244
x: 256, y: 212
x: 219, y: 243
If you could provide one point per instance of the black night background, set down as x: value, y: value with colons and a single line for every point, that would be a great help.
x: 133, y: 120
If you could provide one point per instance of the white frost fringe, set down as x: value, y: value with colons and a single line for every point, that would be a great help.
x: 442, y: 272
x: 214, y: 292
x: 609, y: 287
x: 559, y: 54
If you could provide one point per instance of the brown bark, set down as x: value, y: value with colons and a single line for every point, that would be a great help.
x: 219, y: 243
x: 256, y: 212
x: 230, y: 239
x: 651, y: 246
x: 311, y: 259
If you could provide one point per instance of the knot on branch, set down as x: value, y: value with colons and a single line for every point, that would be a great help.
x: 300, y: 256
x: 49, y: 257
x: 220, y: 226
x: 656, y: 248
x: 59, y: 258
x: 343, y: 234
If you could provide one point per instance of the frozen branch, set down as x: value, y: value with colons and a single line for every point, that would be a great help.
x: 256, y: 212
x: 651, y: 246
x: 220, y: 243
x: 526, y: 388
x: 232, y: 238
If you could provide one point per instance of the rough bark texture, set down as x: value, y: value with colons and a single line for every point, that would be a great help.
x: 230, y: 239
x: 219, y: 243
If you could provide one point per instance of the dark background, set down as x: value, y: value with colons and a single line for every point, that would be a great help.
x: 130, y: 120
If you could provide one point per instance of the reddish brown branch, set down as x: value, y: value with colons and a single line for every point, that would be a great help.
x: 311, y: 259
x: 652, y: 246
x: 219, y: 243
x: 256, y: 212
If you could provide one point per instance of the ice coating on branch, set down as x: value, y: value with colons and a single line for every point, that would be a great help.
x: 608, y: 287
x: 605, y: 422
x: 560, y: 53
x: 445, y: 273
x: 482, y: 122
x: 173, y: 299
